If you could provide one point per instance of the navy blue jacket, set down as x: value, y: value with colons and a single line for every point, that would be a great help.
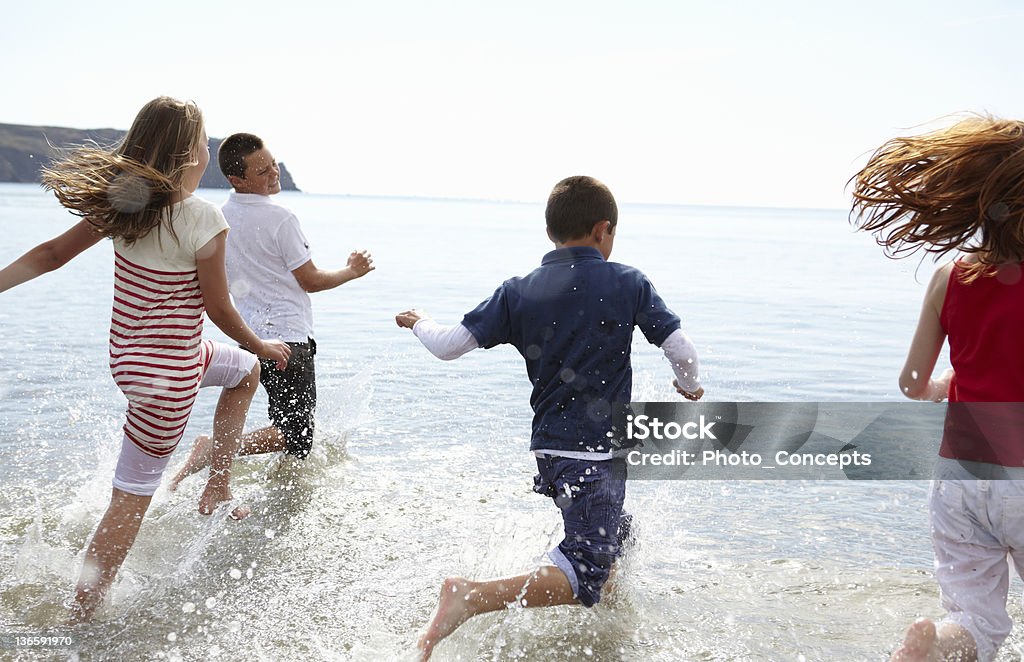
x: 572, y: 320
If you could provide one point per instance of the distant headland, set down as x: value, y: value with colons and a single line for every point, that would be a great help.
x: 26, y: 149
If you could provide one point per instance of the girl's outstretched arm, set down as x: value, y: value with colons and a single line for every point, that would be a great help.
x: 49, y: 255
x: 916, y: 378
x: 213, y: 283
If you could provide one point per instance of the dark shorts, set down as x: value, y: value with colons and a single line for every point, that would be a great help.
x: 292, y: 394
x: 590, y: 496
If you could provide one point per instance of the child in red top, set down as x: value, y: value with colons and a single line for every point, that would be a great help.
x: 962, y: 189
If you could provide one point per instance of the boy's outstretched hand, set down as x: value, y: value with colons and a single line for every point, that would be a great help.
x: 408, y: 318
x: 695, y: 395
x: 360, y: 263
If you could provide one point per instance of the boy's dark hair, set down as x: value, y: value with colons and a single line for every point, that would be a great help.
x: 576, y: 205
x: 234, y: 149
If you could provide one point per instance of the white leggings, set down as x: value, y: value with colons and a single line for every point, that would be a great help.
x: 139, y: 473
x: 977, y: 531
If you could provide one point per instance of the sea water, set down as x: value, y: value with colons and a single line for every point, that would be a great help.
x: 421, y: 468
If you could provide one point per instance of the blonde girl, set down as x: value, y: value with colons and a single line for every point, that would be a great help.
x: 168, y: 269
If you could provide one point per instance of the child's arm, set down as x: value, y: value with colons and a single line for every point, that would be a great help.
x: 916, y: 378
x: 313, y: 279
x: 49, y: 255
x: 213, y: 283
x: 682, y: 355
x: 444, y: 342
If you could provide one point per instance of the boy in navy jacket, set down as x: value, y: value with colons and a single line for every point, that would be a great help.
x: 572, y: 320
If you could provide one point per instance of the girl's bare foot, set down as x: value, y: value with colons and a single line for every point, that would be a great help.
x: 918, y: 644
x: 198, y: 460
x: 216, y: 495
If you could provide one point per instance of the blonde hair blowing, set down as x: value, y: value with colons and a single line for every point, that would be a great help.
x: 124, y: 191
x: 957, y: 188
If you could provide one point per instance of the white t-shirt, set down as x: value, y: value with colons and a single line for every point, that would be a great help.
x: 194, y: 221
x: 264, y: 246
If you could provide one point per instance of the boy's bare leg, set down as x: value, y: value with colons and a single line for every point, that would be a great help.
x: 228, y: 422
x: 257, y: 442
x: 264, y: 440
x: 109, y: 545
x: 198, y: 459
x: 922, y: 643
x: 461, y: 599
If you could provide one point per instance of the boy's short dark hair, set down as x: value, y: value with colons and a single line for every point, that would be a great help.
x: 234, y: 149
x: 576, y: 205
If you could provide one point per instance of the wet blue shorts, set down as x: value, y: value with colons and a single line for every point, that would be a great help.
x: 590, y: 495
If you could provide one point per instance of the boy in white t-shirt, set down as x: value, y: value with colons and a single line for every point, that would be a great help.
x: 270, y: 273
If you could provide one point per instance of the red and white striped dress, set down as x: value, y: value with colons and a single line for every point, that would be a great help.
x: 157, y: 355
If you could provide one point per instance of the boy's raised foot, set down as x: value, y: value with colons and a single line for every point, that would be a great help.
x: 198, y: 460
x: 453, y: 609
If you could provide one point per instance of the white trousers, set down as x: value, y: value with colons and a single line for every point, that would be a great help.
x: 977, y: 531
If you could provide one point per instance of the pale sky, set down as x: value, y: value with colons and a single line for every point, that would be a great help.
x: 726, y: 103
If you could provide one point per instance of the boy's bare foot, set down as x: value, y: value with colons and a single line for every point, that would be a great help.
x: 214, y: 496
x: 453, y: 609
x: 198, y: 460
x: 918, y: 644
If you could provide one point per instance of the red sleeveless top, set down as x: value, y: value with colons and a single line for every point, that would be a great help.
x: 984, y: 321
